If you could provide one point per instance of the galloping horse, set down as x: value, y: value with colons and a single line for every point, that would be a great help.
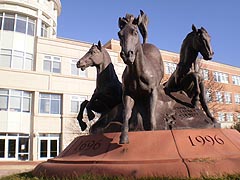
x: 108, y: 92
x: 183, y: 79
x: 141, y: 77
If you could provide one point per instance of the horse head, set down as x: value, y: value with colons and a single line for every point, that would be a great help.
x: 202, y: 42
x: 93, y: 57
x: 129, y: 38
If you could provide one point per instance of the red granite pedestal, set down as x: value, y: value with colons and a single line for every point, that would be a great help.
x: 176, y: 153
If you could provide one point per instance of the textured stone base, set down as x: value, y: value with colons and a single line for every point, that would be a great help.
x: 177, y: 153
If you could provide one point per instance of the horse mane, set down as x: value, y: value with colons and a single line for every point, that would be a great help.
x: 187, y: 44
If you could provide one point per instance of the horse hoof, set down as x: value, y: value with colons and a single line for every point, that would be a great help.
x: 124, y: 139
x: 82, y: 125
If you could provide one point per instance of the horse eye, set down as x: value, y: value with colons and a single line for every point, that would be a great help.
x: 135, y: 32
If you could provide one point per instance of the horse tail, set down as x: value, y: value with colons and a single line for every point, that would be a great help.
x: 82, y: 124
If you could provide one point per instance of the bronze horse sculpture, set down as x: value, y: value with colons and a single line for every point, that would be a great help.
x: 183, y: 78
x: 142, y: 76
x: 107, y: 97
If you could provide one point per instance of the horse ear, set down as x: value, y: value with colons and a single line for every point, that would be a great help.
x: 202, y: 28
x: 121, y: 23
x: 194, y: 28
x: 99, y: 45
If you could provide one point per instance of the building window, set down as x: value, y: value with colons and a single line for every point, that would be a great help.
x: 170, y: 67
x: 219, y: 97
x: 236, y: 80
x: 15, y: 100
x: 205, y: 74
x: 228, y: 97
x: 8, y: 22
x: 52, y: 64
x: 5, y: 57
x: 44, y: 30
x: 221, y: 117
x: 49, y: 103
x: 229, y: 117
x: 237, y: 98
x: 76, y: 71
x: 1, y: 18
x: 31, y: 27
x: 76, y: 102
x: 208, y: 95
x: 16, y: 59
x: 22, y: 24
x: 220, y: 77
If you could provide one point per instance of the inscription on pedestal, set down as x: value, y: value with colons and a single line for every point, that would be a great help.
x: 184, y: 112
x: 89, y: 145
x: 204, y: 140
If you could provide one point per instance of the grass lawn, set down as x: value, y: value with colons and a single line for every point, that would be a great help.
x: 29, y: 176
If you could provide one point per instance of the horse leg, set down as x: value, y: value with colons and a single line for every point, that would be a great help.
x: 204, y: 103
x: 90, y: 108
x: 153, y: 103
x: 196, y: 92
x: 128, y: 107
x: 82, y: 124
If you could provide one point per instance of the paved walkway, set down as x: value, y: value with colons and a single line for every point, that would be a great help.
x: 15, y: 167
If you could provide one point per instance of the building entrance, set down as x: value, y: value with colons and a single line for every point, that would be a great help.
x: 14, y: 147
x: 48, y: 146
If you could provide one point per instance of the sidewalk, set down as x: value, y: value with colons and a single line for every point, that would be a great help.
x: 15, y: 167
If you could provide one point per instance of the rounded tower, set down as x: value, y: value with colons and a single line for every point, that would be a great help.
x: 20, y: 22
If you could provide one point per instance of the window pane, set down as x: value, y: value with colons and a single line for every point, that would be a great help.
x: 16, y: 92
x: 45, y: 96
x: 17, y: 62
x: 8, y: 24
x: 21, y: 26
x: 28, y: 64
x: 53, y: 148
x: 5, y: 60
x: 4, y: 91
x: 26, y: 104
x: 31, y: 27
x: 2, y: 148
x: 74, y: 70
x: 43, y: 149
x: 44, y: 106
x: 55, y: 96
x: 1, y: 22
x: 11, y: 148
x: 15, y: 103
x: 23, y: 145
x: 3, y: 102
x: 55, y: 107
x: 56, y: 67
x: 74, y: 106
x: 47, y: 66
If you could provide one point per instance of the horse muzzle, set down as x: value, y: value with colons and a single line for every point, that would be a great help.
x: 128, y: 57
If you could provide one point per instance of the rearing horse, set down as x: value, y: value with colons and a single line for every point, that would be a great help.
x: 141, y: 78
x: 108, y: 92
x: 183, y: 79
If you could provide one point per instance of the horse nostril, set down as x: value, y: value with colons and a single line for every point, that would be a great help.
x: 130, y: 53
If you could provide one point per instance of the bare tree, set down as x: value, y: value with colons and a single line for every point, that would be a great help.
x: 215, y: 103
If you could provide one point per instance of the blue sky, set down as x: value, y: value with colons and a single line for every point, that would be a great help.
x: 169, y: 22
